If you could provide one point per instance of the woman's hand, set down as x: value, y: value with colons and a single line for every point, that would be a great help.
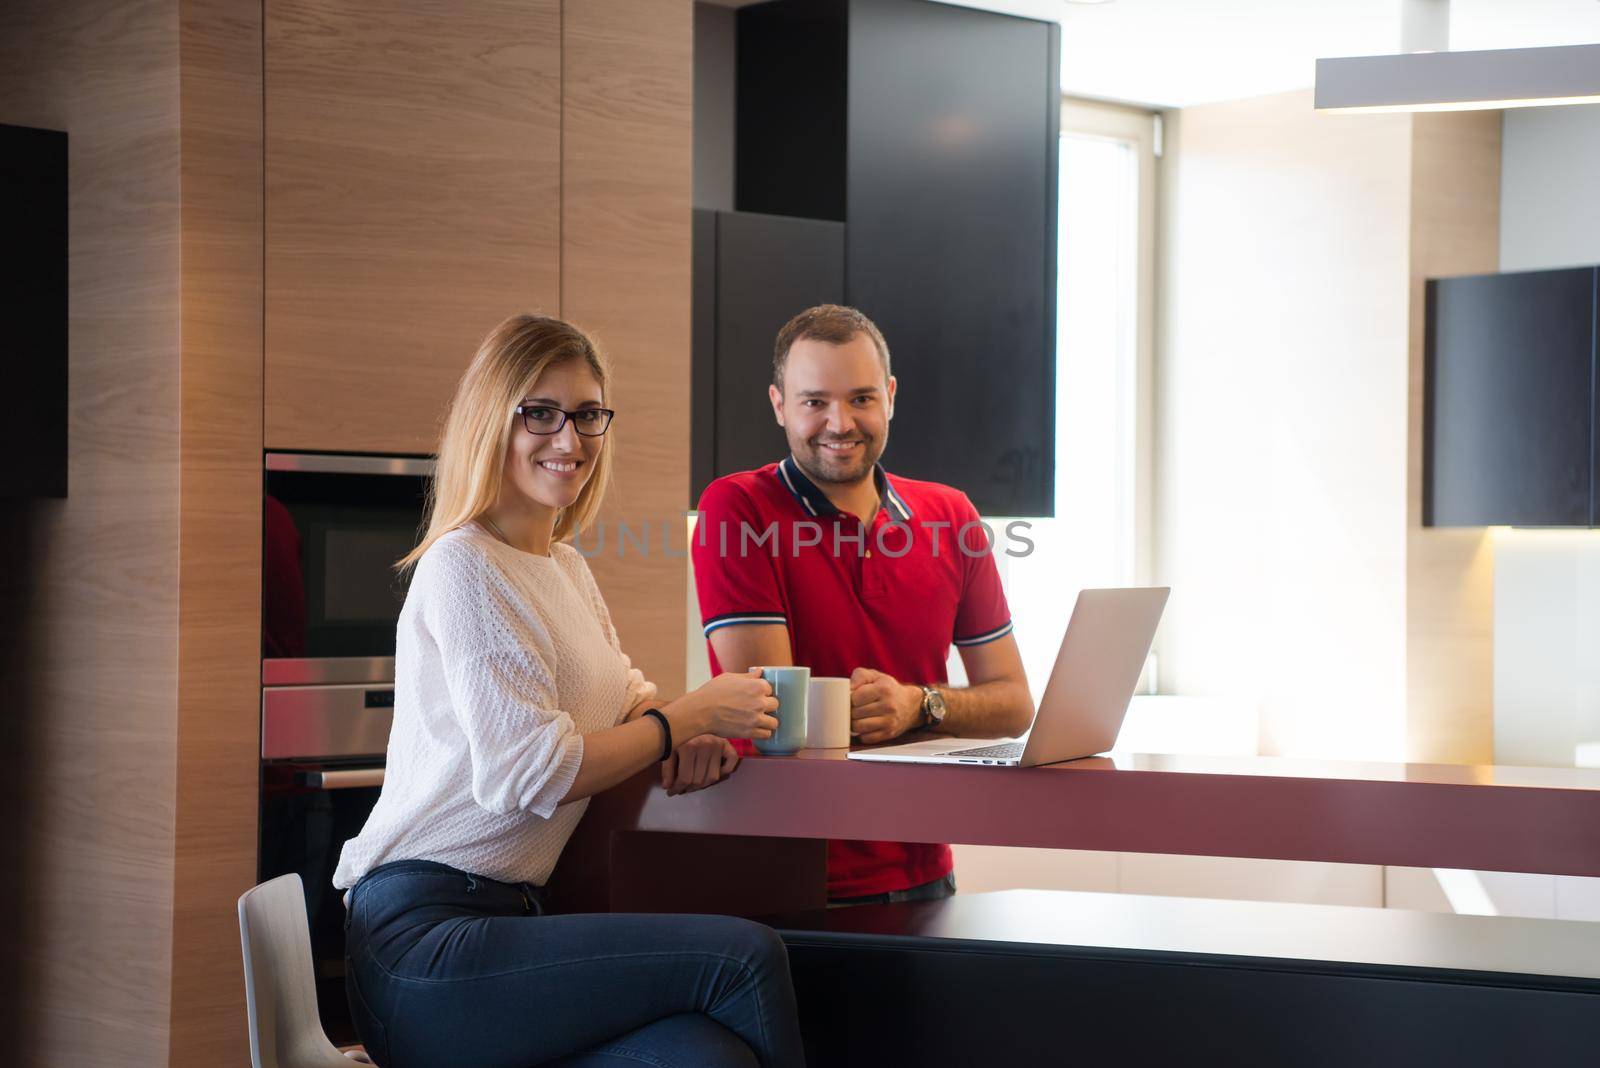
x: 731, y: 705
x: 698, y: 763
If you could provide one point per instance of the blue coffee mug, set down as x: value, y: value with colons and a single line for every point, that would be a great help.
x: 791, y: 686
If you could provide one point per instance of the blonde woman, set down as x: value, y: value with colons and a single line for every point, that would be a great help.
x: 513, y: 704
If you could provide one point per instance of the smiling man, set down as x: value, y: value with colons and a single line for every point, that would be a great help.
x: 826, y: 560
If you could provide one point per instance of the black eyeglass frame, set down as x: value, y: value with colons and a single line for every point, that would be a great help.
x: 566, y: 416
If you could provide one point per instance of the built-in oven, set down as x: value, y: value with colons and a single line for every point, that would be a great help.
x: 333, y: 528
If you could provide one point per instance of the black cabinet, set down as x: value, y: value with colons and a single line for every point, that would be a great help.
x: 33, y: 301
x: 791, y: 101
x: 1510, y: 431
x: 751, y: 274
x: 1041, y: 984
x: 950, y: 248
x: 1152, y: 1009
x: 931, y: 132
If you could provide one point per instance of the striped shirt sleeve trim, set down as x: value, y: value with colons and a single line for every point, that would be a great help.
x: 980, y: 639
x: 742, y: 618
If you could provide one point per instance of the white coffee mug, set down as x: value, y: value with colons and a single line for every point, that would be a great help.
x: 828, y: 714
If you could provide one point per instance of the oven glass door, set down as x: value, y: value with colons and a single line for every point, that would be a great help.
x: 334, y: 526
x: 308, y: 811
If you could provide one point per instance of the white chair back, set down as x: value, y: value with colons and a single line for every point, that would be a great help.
x: 279, y: 984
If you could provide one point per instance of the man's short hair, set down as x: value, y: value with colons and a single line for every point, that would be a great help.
x: 833, y: 323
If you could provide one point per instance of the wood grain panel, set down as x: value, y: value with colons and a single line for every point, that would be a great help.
x: 413, y: 172
x: 1455, y: 229
x: 625, y: 264
x: 88, y: 599
x: 219, y: 546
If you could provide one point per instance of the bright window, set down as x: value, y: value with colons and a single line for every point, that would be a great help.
x: 1097, y: 355
x: 1098, y: 536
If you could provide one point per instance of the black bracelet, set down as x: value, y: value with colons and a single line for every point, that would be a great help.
x: 666, y: 731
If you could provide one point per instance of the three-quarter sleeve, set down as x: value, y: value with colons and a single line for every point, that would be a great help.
x: 525, y: 751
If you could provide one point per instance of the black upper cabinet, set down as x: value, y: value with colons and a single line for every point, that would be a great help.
x: 790, y: 109
x: 1510, y: 433
x: 951, y: 237
x: 932, y: 132
x: 751, y: 274
x: 33, y: 300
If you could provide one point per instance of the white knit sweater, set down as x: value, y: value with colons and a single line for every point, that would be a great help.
x: 503, y: 661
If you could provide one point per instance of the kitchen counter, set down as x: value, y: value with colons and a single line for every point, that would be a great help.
x: 1417, y: 815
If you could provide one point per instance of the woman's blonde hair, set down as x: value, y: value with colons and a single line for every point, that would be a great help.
x: 478, y: 427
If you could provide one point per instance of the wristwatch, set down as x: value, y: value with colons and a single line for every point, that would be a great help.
x: 933, y: 708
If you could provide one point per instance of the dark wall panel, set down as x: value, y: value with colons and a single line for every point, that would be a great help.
x: 790, y: 108
x: 952, y: 157
x: 766, y: 268
x: 33, y: 302
x: 1510, y: 403
x: 703, y: 354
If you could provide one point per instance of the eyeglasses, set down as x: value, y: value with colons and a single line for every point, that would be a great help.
x: 543, y: 419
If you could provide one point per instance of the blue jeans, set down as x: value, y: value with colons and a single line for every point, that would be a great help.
x: 447, y: 968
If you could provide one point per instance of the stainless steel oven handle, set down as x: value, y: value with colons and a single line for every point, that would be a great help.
x: 328, y: 464
x: 325, y: 670
x: 353, y: 779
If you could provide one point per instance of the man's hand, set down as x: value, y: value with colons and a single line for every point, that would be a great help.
x: 881, y: 707
x: 698, y: 763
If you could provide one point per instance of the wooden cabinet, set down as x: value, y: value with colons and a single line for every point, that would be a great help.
x: 625, y: 252
x: 413, y: 200
x: 1511, y: 417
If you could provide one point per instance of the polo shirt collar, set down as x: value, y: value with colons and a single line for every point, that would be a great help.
x: 815, y: 502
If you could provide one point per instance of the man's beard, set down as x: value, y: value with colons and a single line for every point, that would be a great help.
x: 821, y: 467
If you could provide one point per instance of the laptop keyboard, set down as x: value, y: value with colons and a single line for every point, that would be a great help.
x: 1004, y: 751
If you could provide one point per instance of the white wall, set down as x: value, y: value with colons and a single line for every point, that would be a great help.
x: 1281, y: 419
x: 1269, y: 371
x: 1546, y: 644
x: 1549, y: 178
x: 1547, y: 583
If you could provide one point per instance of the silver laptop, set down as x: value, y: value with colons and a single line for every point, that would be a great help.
x: 1086, y: 699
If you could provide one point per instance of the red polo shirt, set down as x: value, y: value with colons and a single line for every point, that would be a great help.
x: 769, y: 547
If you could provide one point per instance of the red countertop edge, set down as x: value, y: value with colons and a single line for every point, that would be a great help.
x: 1418, y: 815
